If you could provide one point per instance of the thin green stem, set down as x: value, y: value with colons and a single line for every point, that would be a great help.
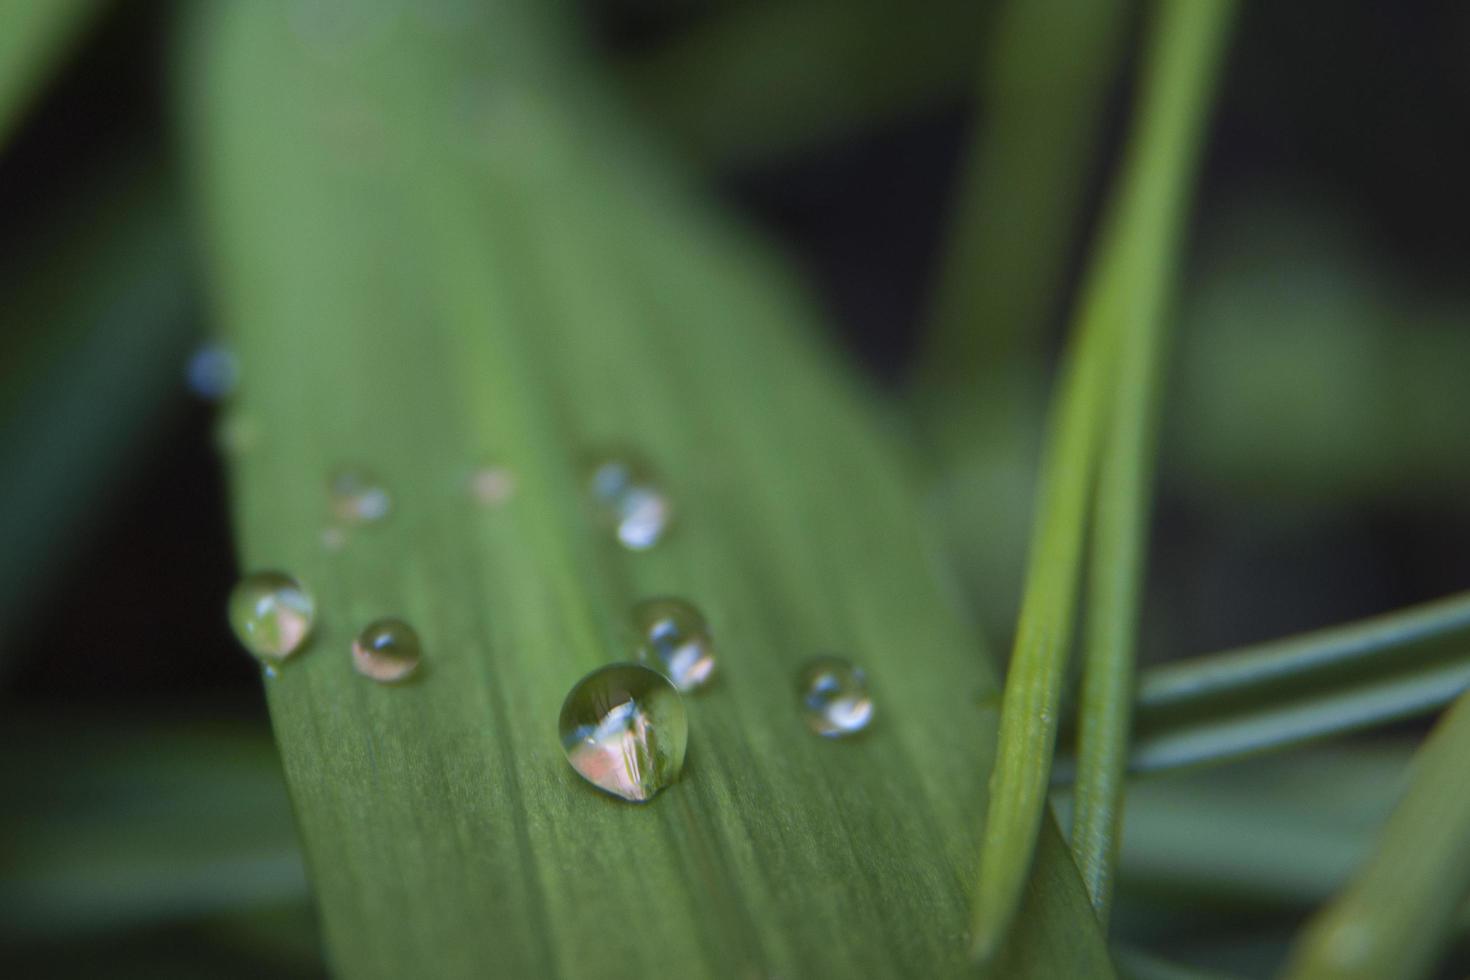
x: 1400, y: 910
x: 1182, y: 740
x: 1190, y: 686
x: 1132, y: 260
x: 1177, y: 100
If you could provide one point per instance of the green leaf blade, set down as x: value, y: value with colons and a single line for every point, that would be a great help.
x: 423, y: 263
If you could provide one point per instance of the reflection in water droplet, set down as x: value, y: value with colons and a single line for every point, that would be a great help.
x: 387, y: 650
x: 271, y: 614
x: 624, y: 730
x: 358, y: 497
x: 492, y: 485
x: 834, y: 697
x: 213, y: 372
x: 674, y: 639
x: 630, y: 500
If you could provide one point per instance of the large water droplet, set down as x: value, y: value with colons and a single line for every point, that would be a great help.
x: 213, y: 372
x: 492, y: 484
x: 358, y: 497
x: 624, y: 730
x: 630, y: 500
x: 271, y: 614
x: 674, y: 639
x: 834, y: 697
x: 387, y: 650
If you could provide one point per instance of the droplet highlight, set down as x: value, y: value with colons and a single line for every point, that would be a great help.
x: 834, y: 697
x: 271, y: 614
x: 492, y: 485
x: 629, y: 499
x: 624, y: 730
x: 387, y: 650
x: 674, y: 639
x: 213, y: 372
x: 358, y: 497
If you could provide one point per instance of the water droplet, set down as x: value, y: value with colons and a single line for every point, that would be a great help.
x: 630, y: 500
x: 387, y: 650
x: 213, y: 372
x: 674, y: 639
x: 834, y: 697
x: 271, y: 614
x: 358, y: 497
x: 624, y: 730
x: 492, y: 485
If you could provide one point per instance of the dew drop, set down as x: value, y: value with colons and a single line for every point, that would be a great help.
x: 213, y: 372
x: 624, y: 730
x: 358, y: 497
x: 674, y: 639
x: 271, y: 614
x: 492, y: 485
x: 834, y: 697
x: 630, y: 500
x: 387, y: 650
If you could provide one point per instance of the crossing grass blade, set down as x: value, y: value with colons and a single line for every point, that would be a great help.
x: 437, y: 244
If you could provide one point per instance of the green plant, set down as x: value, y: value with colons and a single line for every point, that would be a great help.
x: 443, y: 236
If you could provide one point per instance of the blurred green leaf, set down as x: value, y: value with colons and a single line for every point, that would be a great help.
x: 1132, y: 268
x: 127, y: 822
x: 764, y: 80
x: 34, y: 36
x: 437, y: 243
x: 1048, y: 73
x: 1398, y: 913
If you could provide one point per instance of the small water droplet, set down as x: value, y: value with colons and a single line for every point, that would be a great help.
x: 834, y: 697
x: 358, y: 497
x: 492, y: 485
x: 271, y: 614
x: 630, y: 500
x: 624, y: 730
x: 387, y: 650
x: 213, y: 372
x: 674, y: 639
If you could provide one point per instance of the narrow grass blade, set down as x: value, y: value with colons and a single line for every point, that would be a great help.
x: 1398, y: 913
x: 437, y: 244
x: 1311, y: 660
x: 1130, y: 270
x: 1250, y: 728
x: 1188, y: 45
x: 34, y: 36
x: 763, y: 80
